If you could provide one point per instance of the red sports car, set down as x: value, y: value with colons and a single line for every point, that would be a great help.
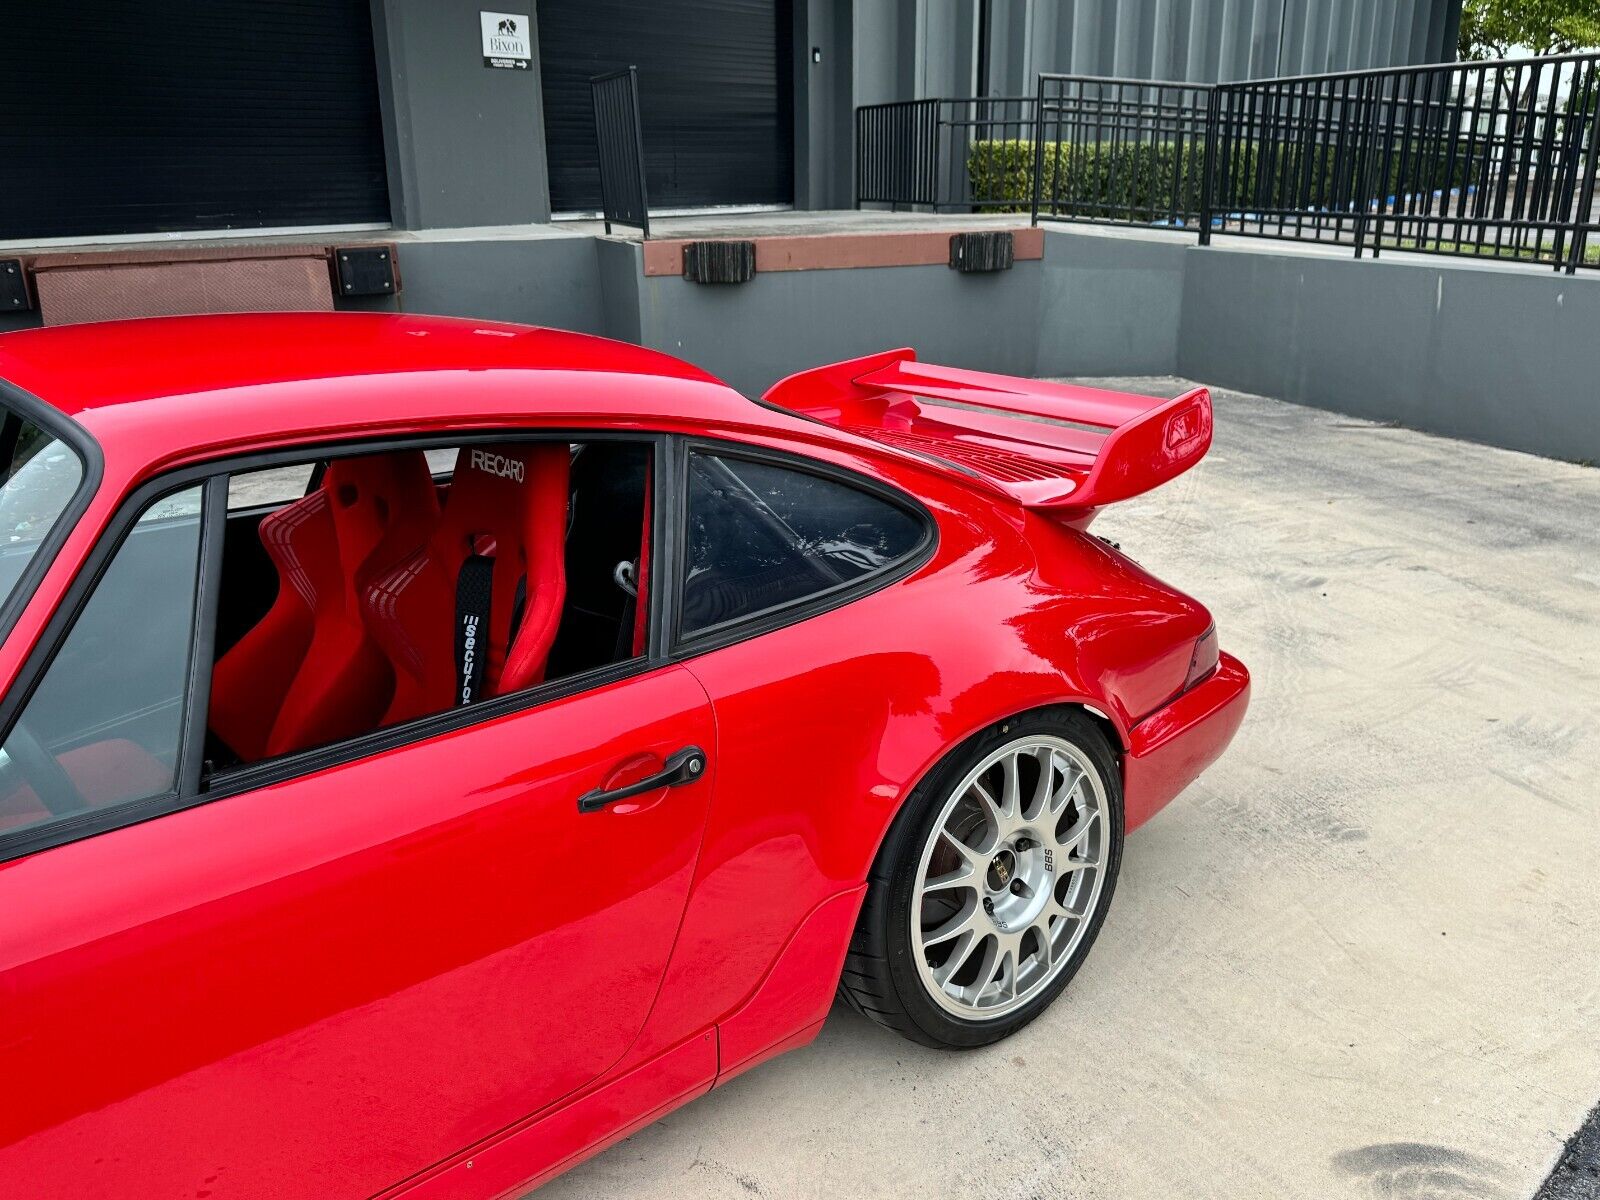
x: 433, y: 749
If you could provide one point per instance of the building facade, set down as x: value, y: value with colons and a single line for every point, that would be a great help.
x: 245, y: 115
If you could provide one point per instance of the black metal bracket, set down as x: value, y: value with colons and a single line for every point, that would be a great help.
x: 973, y: 253
x: 365, y: 270
x: 14, y: 296
x: 719, y: 262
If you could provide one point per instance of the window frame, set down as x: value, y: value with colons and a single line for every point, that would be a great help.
x: 193, y: 788
x: 76, y: 438
x: 789, y: 612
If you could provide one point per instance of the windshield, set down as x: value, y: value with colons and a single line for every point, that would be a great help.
x: 41, y: 475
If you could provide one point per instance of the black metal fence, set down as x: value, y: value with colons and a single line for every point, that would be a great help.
x: 1128, y: 151
x: 1487, y: 159
x: 621, y: 146
x: 1494, y: 160
x: 943, y: 154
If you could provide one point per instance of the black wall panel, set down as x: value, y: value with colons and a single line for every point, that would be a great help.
x: 715, y: 95
x: 122, y: 117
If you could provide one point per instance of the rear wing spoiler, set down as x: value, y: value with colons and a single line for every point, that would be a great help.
x: 1044, y: 445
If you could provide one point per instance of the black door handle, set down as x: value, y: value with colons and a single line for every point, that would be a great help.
x: 683, y: 767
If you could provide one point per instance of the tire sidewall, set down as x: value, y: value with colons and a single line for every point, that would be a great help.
x: 901, y: 859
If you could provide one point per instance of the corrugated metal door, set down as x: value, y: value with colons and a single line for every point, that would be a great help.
x: 715, y: 94
x: 189, y: 114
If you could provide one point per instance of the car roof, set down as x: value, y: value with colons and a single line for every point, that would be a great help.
x: 194, y: 382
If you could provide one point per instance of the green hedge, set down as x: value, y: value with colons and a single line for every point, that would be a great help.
x: 1138, y: 180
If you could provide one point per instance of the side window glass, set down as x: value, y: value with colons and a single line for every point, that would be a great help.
x: 38, y: 478
x: 270, y: 487
x: 104, y: 724
x: 761, y: 536
x: 391, y: 586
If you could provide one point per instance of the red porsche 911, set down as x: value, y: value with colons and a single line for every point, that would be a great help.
x: 432, y: 749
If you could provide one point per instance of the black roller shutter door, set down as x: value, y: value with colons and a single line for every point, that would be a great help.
x: 715, y: 94
x: 188, y: 114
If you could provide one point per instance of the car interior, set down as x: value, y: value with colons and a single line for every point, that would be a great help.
x: 342, y: 606
x: 342, y: 612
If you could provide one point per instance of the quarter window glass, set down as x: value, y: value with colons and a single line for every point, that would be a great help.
x: 269, y: 487
x: 40, y: 476
x: 104, y: 724
x: 761, y: 536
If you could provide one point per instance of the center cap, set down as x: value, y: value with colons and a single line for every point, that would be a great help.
x: 1002, y: 869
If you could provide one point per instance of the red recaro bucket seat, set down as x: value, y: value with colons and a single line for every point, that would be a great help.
x: 473, y: 613
x: 310, y: 672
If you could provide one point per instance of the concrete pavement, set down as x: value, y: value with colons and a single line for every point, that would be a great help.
x: 1359, y: 958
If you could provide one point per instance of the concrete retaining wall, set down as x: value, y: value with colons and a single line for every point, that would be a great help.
x: 755, y: 333
x: 1499, y: 354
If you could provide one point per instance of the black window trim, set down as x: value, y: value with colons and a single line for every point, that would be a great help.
x: 778, y: 616
x: 193, y: 790
x: 76, y: 438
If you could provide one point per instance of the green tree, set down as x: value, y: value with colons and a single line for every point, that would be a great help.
x: 1495, y: 28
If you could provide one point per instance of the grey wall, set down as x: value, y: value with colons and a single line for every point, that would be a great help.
x: 1111, y: 303
x: 754, y: 334
x: 910, y: 48
x: 823, y: 105
x: 537, y: 281
x: 1503, y: 355
x: 1500, y: 354
x: 465, y: 142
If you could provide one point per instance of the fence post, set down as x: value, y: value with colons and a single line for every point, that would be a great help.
x: 858, y: 152
x: 1366, y: 135
x: 1038, y: 147
x: 623, y: 197
x: 1586, y: 194
x: 1209, y: 162
x: 638, y: 149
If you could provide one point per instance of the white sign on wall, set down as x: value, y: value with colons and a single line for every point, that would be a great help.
x: 507, y: 40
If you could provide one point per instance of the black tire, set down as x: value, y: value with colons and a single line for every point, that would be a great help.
x: 881, y: 980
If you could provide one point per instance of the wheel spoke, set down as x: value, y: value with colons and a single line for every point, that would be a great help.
x: 958, y: 958
x: 1079, y: 832
x: 1006, y: 962
x: 1045, y: 756
x: 1054, y: 908
x: 974, y: 860
x: 1071, y: 777
x: 991, y: 808
x: 1011, y: 793
x: 964, y: 876
x: 962, y: 922
x: 1041, y: 930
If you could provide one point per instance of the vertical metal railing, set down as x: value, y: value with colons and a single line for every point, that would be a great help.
x: 1495, y: 160
x: 1489, y: 160
x: 620, y: 138
x: 897, y: 153
x: 1122, y: 151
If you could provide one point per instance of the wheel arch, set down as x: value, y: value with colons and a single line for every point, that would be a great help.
x: 1116, y: 739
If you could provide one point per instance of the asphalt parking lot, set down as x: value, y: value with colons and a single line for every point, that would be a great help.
x: 1359, y: 957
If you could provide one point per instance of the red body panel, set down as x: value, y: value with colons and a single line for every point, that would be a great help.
x: 422, y: 972
x: 327, y: 985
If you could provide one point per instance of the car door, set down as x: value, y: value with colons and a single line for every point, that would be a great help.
x: 323, y: 981
x: 786, y: 617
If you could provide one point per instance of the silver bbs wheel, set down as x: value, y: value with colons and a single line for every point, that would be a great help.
x: 1010, y: 876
